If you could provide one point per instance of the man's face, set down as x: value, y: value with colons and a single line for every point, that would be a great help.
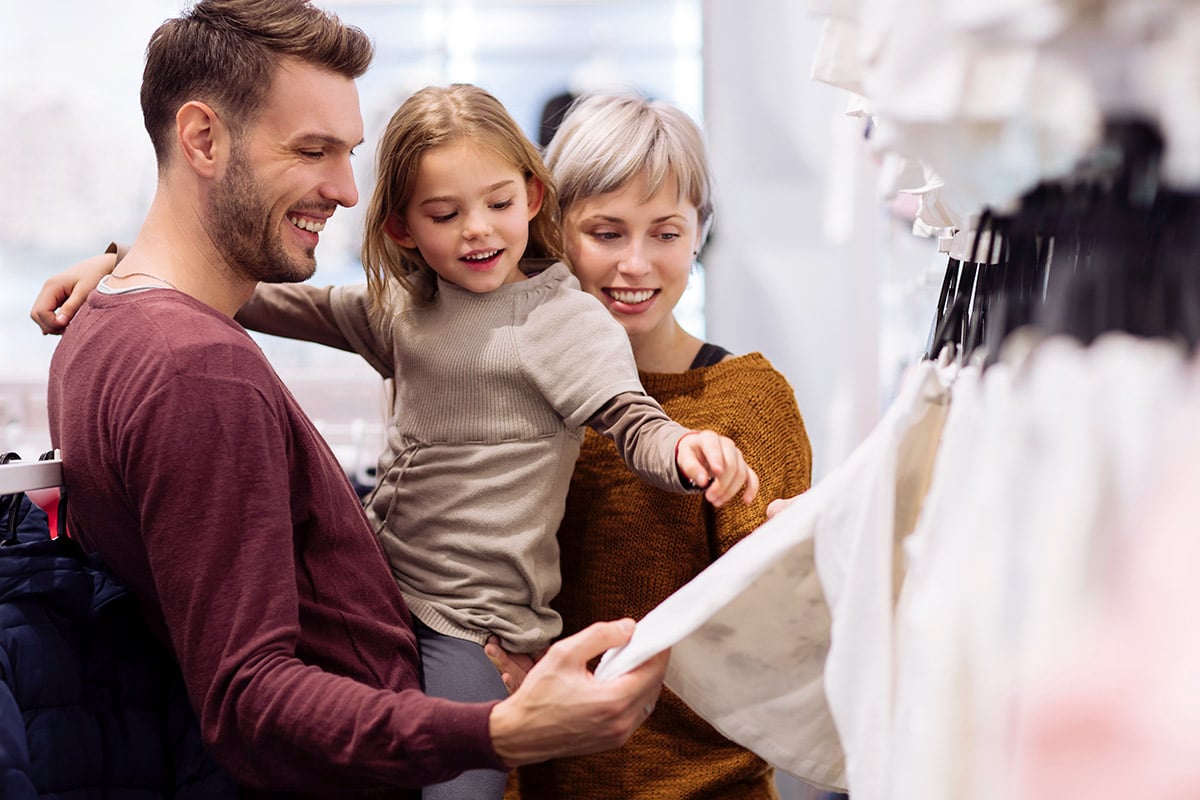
x: 287, y: 175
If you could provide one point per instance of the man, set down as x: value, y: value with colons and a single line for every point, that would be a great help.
x: 202, y: 484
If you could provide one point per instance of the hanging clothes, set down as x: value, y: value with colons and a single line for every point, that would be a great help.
x: 1114, y: 714
x: 750, y: 635
x: 1043, y: 456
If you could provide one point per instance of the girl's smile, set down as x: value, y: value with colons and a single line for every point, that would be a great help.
x: 469, y: 215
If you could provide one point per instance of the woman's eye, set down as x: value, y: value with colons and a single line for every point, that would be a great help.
x: 668, y: 236
x: 444, y: 217
x: 606, y: 236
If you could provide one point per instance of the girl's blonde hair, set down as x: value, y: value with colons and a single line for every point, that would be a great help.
x: 432, y: 117
x: 607, y: 140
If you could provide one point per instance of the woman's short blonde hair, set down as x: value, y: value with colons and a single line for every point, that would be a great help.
x: 607, y: 140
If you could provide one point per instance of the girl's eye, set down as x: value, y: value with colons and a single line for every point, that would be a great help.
x: 444, y: 217
x: 503, y: 204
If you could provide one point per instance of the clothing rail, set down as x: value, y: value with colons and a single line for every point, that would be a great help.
x: 25, y: 476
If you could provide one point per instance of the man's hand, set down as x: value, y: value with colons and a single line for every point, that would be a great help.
x: 561, y: 709
x: 715, y: 462
x: 63, y: 294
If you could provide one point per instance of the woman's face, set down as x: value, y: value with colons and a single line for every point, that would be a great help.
x: 633, y: 254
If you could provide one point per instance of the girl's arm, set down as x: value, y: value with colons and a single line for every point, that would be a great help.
x: 295, y: 311
x: 646, y: 438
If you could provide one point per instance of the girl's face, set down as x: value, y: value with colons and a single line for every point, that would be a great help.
x: 635, y: 255
x: 469, y: 216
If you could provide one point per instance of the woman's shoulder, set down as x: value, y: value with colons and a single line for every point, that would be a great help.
x: 752, y: 368
x: 737, y: 384
x: 750, y: 387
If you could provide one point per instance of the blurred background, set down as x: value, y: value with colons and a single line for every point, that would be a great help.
x: 805, y: 263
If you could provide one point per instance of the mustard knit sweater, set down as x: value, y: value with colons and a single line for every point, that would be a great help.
x: 626, y: 546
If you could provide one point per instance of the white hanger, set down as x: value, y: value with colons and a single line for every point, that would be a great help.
x: 25, y: 476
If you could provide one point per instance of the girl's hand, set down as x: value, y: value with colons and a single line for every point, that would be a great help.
x: 513, y: 667
x: 713, y: 461
x: 63, y: 294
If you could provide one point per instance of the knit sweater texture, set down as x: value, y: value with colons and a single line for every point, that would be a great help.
x: 492, y: 395
x: 627, y: 546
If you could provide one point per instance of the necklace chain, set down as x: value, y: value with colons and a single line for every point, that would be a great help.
x: 148, y: 275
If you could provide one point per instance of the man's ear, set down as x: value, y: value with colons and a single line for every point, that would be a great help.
x: 397, y: 230
x: 203, y: 139
x: 536, y: 192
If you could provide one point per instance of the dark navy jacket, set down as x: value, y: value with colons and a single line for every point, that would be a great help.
x: 90, y: 704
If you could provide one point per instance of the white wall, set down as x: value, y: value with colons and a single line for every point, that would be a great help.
x: 776, y: 283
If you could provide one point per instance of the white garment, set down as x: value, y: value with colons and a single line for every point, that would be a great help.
x: 1041, y: 457
x: 748, y: 638
x: 1116, y: 715
x: 858, y: 541
x: 837, y: 61
x: 925, y: 724
x: 750, y: 635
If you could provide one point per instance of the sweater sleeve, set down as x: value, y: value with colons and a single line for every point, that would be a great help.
x: 223, y: 547
x: 576, y: 355
x: 335, y: 316
x: 645, y: 437
x: 295, y: 311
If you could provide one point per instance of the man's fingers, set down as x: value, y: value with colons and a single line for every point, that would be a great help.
x: 592, y: 641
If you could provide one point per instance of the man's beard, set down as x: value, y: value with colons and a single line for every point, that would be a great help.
x: 242, y: 231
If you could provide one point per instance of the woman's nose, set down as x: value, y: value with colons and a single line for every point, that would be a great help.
x: 633, y: 261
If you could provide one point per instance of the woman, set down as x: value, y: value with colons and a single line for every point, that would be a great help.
x: 635, y: 191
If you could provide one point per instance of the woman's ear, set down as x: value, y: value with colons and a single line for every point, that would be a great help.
x: 397, y: 230
x: 535, y: 191
x: 203, y: 139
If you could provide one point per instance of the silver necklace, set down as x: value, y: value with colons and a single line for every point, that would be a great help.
x: 148, y: 275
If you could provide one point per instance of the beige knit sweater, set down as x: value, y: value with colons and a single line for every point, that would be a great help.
x: 492, y: 393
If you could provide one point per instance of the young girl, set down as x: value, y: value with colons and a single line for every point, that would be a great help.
x: 499, y: 363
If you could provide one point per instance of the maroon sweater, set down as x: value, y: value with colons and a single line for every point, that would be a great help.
x: 203, y: 485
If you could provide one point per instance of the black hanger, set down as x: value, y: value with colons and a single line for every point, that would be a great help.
x: 10, y: 506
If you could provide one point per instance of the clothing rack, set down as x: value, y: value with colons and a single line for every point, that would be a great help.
x: 1109, y: 247
x: 26, y: 476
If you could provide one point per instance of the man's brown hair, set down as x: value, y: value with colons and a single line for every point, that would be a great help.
x: 225, y: 53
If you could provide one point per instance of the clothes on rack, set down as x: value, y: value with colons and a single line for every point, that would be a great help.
x: 1042, y: 464
x: 1115, y: 714
x: 993, y: 97
x: 1054, y: 148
